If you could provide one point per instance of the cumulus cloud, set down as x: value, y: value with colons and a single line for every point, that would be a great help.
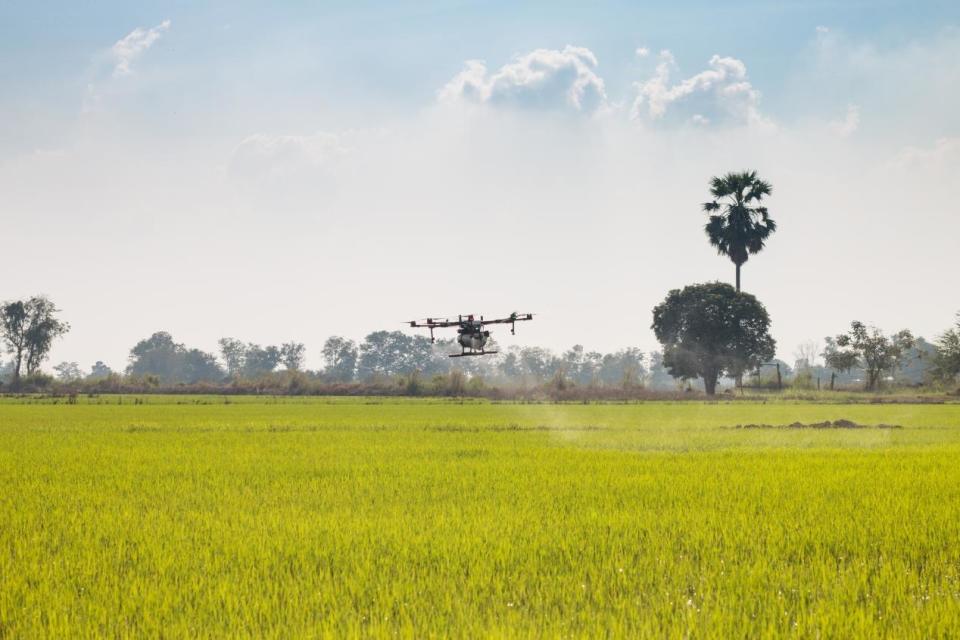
x: 722, y: 92
x: 543, y: 78
x: 130, y: 47
x: 642, y: 52
x: 849, y: 124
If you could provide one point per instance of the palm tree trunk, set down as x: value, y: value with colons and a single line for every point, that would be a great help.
x: 738, y: 278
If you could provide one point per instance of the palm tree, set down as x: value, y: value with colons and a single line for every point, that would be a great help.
x: 738, y: 226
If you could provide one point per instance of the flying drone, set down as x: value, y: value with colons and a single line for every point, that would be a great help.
x: 470, y: 331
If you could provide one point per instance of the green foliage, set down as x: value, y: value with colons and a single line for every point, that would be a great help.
x: 99, y: 371
x: 259, y: 361
x: 233, y: 352
x: 264, y: 517
x: 709, y: 330
x: 68, y: 372
x: 159, y: 357
x: 803, y: 380
x: 395, y: 353
x: 340, y: 356
x: 291, y: 355
x: 947, y: 361
x: 28, y: 329
x: 738, y: 224
x: 836, y: 357
x: 868, y: 348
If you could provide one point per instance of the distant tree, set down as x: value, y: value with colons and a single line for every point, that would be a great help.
x: 200, y: 366
x: 234, y: 354
x: 157, y: 356
x: 591, y: 367
x: 947, y: 360
x: 291, y: 355
x: 14, y: 317
x: 659, y: 377
x: 806, y: 355
x: 538, y: 363
x: 43, y: 328
x: 510, y: 365
x: 623, y: 368
x: 709, y: 330
x: 99, y: 371
x: 68, y: 372
x: 918, y: 363
x: 572, y: 364
x: 868, y: 348
x: 738, y: 226
x: 424, y: 357
x: 28, y: 328
x: 837, y: 358
x: 340, y: 356
x: 391, y: 353
x: 259, y: 361
x: 170, y: 362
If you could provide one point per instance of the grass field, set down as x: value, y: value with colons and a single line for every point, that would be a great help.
x: 195, y: 517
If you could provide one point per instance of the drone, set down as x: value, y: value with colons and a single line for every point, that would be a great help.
x: 470, y: 331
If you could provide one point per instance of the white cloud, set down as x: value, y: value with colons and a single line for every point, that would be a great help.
x: 642, y: 52
x: 849, y: 124
x: 720, y: 93
x: 264, y: 158
x: 940, y: 158
x: 911, y: 88
x: 130, y: 47
x: 543, y: 78
x: 822, y: 29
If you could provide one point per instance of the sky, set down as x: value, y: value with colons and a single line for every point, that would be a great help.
x: 291, y: 171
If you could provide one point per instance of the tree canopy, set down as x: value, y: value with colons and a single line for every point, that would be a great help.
x: 28, y: 328
x: 171, y: 362
x: 868, y: 348
x: 709, y: 330
x: 947, y: 362
x: 738, y: 224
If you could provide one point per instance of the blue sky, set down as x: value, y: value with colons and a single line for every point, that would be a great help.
x: 344, y: 63
x: 267, y: 171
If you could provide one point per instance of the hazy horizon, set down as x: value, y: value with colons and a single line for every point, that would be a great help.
x: 298, y: 172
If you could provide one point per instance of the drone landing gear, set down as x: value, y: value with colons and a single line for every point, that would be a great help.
x: 472, y: 353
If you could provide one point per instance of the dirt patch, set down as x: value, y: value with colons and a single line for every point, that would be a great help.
x: 835, y: 424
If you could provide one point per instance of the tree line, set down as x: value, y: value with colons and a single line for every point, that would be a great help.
x: 380, y: 356
x: 862, y: 354
x: 709, y: 332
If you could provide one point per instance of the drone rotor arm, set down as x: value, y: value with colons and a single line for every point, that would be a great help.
x: 516, y: 317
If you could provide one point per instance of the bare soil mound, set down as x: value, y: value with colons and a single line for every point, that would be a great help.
x: 835, y: 424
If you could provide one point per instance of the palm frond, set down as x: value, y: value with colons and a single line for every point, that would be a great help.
x: 735, y: 228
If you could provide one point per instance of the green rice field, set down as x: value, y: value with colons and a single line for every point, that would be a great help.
x: 192, y: 517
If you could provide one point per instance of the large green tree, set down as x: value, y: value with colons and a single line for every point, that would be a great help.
x: 709, y: 330
x: 739, y: 225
